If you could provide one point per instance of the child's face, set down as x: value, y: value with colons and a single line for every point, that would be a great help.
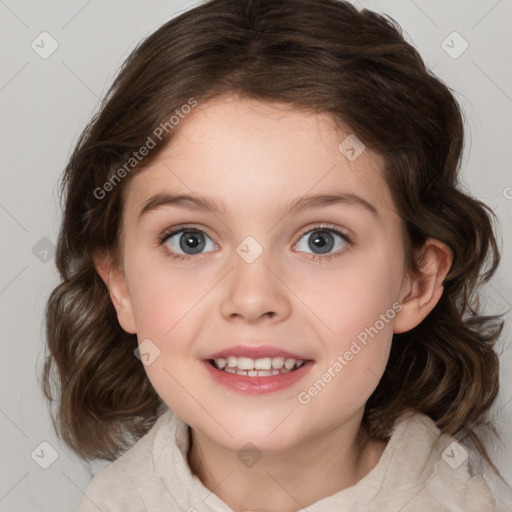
x: 257, y: 159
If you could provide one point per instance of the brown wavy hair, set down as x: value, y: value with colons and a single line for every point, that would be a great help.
x: 320, y: 56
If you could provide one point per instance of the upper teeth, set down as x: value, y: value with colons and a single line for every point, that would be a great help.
x: 265, y: 363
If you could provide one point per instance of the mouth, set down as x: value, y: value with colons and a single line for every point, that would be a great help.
x: 256, y: 370
x: 261, y: 367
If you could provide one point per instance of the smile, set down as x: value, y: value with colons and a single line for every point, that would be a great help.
x: 237, y: 378
x: 262, y: 367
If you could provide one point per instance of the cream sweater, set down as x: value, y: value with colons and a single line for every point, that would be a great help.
x: 420, y: 470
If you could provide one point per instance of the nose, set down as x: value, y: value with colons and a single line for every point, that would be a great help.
x: 253, y: 293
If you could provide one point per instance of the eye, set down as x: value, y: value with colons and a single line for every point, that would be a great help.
x: 187, y: 241
x: 322, y: 240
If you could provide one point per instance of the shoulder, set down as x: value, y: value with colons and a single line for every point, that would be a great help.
x: 117, y: 486
x: 434, y: 467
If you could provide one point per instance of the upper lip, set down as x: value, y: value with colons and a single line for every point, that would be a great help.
x: 256, y: 352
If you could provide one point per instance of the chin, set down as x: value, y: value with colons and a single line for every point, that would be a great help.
x: 270, y: 435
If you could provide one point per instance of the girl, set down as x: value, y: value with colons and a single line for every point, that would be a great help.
x: 269, y: 274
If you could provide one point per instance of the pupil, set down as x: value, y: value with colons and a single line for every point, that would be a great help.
x: 192, y: 240
x: 322, y: 241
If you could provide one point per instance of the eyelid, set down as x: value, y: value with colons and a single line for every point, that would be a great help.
x: 167, y: 233
x: 328, y: 227
x: 327, y: 257
x: 195, y: 227
x: 343, y: 233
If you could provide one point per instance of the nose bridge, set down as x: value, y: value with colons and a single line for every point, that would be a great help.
x: 253, y: 291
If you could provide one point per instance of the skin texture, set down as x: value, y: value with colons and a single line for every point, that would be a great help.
x: 258, y: 157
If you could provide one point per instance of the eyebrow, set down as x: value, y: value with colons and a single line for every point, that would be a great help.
x: 218, y: 207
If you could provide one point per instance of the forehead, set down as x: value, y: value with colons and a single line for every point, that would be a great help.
x: 251, y: 152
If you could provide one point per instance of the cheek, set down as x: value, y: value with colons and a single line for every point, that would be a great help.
x: 167, y: 302
x: 357, y: 312
x: 352, y: 295
x: 157, y: 290
x: 161, y: 300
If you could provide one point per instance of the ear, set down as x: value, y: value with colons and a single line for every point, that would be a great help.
x: 422, y: 292
x: 115, y: 280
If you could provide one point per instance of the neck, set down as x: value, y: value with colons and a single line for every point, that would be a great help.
x: 292, y: 479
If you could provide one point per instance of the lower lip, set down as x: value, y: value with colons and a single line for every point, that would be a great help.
x: 257, y: 385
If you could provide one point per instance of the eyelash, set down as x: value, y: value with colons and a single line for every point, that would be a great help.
x: 315, y: 257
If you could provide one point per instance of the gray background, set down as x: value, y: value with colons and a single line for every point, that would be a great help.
x: 45, y: 103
